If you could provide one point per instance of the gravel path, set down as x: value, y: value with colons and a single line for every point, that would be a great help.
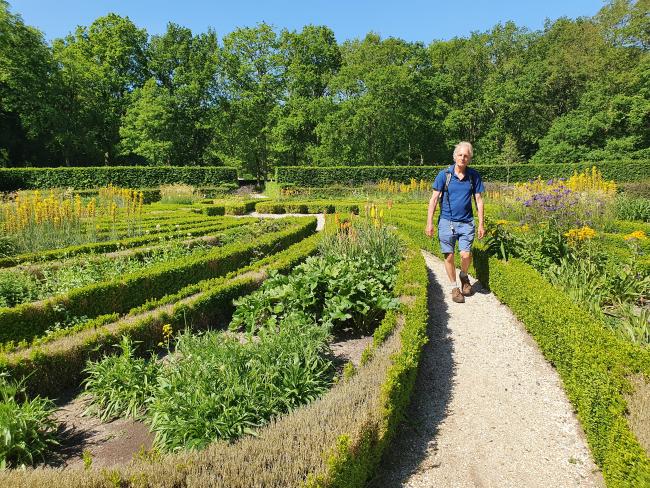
x: 487, y: 409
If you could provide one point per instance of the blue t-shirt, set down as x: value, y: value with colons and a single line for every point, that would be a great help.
x: 458, y: 194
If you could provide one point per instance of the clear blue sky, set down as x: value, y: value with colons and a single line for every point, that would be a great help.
x: 412, y: 20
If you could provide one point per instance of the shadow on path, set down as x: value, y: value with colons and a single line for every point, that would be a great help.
x: 416, y: 435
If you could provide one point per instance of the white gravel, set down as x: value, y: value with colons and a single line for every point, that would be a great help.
x: 487, y: 410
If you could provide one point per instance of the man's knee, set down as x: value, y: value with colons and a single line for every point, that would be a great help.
x: 449, y: 256
x: 465, y: 254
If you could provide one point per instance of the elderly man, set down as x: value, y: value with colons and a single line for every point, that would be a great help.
x: 454, y: 188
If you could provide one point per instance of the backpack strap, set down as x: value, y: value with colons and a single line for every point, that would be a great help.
x: 445, y: 189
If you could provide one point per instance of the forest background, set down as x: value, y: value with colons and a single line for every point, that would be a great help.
x: 258, y: 98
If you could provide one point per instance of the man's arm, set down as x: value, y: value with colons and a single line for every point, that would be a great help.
x: 433, y: 203
x: 479, y: 207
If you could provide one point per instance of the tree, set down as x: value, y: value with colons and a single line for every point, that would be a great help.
x: 27, y: 75
x: 311, y: 58
x: 100, y: 66
x: 253, y: 81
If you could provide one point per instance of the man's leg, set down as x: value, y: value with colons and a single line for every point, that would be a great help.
x: 447, y: 244
x: 450, y: 267
x: 465, y: 261
x: 465, y: 244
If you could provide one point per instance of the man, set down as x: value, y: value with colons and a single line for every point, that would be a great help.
x: 455, y: 187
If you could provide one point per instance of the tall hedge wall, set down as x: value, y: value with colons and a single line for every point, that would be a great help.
x: 125, y: 176
x: 311, y: 176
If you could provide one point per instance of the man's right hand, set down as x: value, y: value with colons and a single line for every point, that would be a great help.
x: 429, y: 231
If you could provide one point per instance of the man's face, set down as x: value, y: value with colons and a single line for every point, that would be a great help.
x: 462, y: 157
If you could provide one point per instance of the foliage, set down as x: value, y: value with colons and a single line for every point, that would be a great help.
x: 583, y: 199
x: 12, y: 179
x: 120, y: 384
x: 347, y: 285
x: 35, y: 222
x: 109, y: 93
x: 357, y: 175
x: 218, y: 387
x: 26, y: 427
x: 632, y: 208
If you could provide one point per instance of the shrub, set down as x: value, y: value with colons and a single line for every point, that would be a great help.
x: 12, y: 179
x: 310, y: 176
x: 179, y: 193
x: 632, y: 208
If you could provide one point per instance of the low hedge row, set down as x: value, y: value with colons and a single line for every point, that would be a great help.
x: 12, y: 179
x: 26, y: 321
x: 339, y: 437
x: 356, y: 455
x: 110, y: 246
x: 52, y: 368
x: 305, y: 207
x: 229, y: 208
x: 311, y: 176
x: 594, y: 364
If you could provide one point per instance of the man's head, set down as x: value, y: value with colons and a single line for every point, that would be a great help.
x: 463, y: 153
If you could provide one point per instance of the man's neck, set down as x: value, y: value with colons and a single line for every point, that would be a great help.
x: 460, y: 171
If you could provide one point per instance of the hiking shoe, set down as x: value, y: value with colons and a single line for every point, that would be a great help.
x: 457, y: 296
x: 465, y: 286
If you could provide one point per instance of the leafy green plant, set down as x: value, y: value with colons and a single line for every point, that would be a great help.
x: 120, y: 384
x: 220, y: 386
x: 347, y: 285
x: 17, y: 287
x: 27, y: 430
x: 632, y: 208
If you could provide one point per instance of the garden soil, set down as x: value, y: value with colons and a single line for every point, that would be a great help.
x: 487, y: 410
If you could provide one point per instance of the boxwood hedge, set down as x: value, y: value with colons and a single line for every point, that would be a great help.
x: 311, y: 176
x: 12, y: 179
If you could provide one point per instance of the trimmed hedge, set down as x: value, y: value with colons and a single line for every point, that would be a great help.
x: 110, y: 246
x: 12, y: 179
x: 229, y: 207
x: 594, y: 364
x: 311, y: 176
x: 29, y: 320
x: 53, y: 368
x: 356, y: 455
x: 306, y: 207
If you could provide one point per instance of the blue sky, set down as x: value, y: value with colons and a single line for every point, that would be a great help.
x: 413, y: 20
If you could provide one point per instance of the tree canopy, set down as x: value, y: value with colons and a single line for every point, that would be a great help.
x: 109, y: 93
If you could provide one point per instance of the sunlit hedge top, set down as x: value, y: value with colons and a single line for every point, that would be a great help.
x: 313, y: 176
x: 125, y: 176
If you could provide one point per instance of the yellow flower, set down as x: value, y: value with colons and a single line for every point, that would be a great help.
x: 167, y: 331
x: 501, y: 222
x: 636, y: 235
x: 577, y: 235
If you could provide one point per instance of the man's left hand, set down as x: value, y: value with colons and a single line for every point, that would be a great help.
x: 481, y: 231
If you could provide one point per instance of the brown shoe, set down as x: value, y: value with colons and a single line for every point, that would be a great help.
x: 457, y: 296
x: 465, y: 286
